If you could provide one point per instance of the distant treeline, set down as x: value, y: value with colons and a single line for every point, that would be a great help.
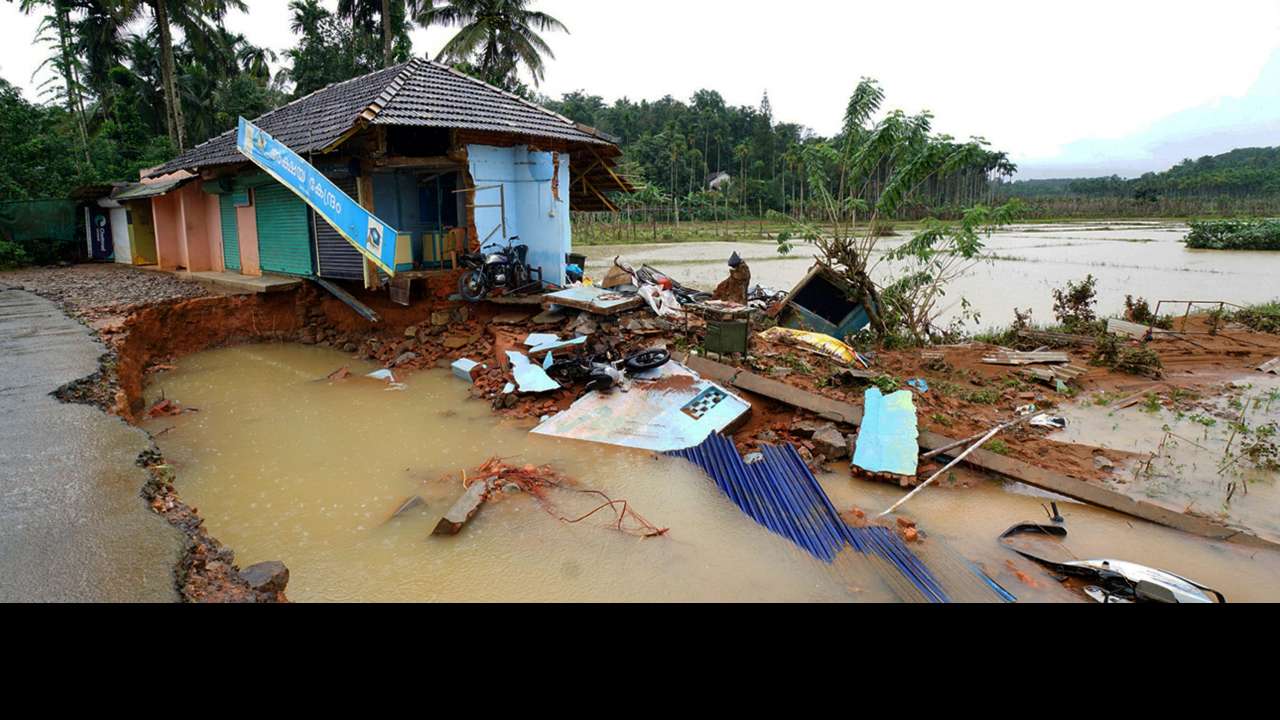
x: 1245, y: 181
x: 674, y: 150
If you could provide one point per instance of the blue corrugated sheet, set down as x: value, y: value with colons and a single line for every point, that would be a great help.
x: 780, y: 493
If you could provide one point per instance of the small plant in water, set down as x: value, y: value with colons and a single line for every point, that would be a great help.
x: 1073, y: 305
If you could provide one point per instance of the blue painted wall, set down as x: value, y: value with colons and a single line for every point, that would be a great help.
x: 531, y: 210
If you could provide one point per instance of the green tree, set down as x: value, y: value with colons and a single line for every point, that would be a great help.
x: 496, y: 38
x: 190, y: 16
x: 867, y: 174
x: 56, y: 30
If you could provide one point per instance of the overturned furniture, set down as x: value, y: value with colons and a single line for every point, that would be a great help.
x: 824, y: 302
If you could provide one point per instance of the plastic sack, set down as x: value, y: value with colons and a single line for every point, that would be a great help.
x: 816, y: 342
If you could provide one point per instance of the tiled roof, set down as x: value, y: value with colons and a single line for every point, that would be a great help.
x: 436, y: 95
x: 416, y: 93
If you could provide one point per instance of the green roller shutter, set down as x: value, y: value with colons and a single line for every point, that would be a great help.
x: 230, y: 232
x: 284, y: 236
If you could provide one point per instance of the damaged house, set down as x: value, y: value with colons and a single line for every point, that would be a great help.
x: 449, y: 161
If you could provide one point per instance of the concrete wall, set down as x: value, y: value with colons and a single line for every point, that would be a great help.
x: 120, y: 238
x: 213, y: 231
x: 170, y: 251
x: 532, y: 211
x: 188, y: 231
x: 247, y: 225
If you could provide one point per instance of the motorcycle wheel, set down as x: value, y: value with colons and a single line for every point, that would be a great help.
x: 648, y: 360
x: 472, y: 286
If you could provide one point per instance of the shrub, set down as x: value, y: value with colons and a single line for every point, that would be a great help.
x: 1073, y: 305
x: 1234, y: 235
x: 12, y: 255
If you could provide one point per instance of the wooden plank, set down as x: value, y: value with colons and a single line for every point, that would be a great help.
x: 1053, y: 338
x: 1026, y: 358
x: 986, y: 460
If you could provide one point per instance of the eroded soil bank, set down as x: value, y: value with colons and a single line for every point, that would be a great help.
x: 967, y: 396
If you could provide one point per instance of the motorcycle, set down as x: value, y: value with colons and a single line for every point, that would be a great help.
x: 602, y: 372
x: 503, y: 269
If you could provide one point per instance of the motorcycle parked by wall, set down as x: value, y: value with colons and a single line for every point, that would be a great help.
x: 494, y: 268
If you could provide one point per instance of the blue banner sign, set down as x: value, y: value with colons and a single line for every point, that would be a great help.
x: 375, y: 239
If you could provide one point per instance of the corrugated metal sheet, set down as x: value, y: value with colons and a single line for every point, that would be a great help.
x: 284, y: 235
x: 335, y: 257
x: 230, y: 232
x: 781, y: 494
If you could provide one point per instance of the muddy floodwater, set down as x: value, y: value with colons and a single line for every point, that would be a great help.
x: 1195, y: 456
x: 285, y: 465
x: 1024, y: 264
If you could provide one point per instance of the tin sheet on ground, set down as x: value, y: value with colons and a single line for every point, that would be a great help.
x: 670, y: 408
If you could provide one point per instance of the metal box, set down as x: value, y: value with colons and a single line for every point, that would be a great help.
x: 726, y: 337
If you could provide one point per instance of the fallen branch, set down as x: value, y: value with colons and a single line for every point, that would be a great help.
x: 953, y: 463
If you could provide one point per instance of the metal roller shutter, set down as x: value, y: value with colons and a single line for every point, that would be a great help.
x: 335, y: 257
x: 284, y: 233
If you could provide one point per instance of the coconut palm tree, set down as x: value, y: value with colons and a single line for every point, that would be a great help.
x: 56, y: 29
x: 496, y: 36
x: 192, y: 18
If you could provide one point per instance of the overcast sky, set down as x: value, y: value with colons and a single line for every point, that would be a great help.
x: 1084, y: 87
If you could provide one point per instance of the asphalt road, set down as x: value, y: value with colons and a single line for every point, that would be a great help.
x: 72, y: 524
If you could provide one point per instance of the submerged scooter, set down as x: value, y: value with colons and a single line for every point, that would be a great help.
x: 1112, y: 581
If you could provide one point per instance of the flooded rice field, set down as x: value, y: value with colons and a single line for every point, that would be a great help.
x: 1024, y: 264
x: 286, y: 465
x: 1200, y: 451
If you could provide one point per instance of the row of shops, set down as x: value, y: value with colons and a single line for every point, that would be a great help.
x: 450, y: 162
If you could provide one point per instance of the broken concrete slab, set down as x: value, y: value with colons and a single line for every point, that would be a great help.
x: 464, y: 509
x: 829, y: 441
x: 1271, y: 366
x: 594, y: 300
x: 464, y: 369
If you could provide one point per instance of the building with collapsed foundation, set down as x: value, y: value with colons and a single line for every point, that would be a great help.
x: 451, y: 162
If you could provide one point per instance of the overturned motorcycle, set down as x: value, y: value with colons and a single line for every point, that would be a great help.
x: 1108, y: 581
x: 603, y: 372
